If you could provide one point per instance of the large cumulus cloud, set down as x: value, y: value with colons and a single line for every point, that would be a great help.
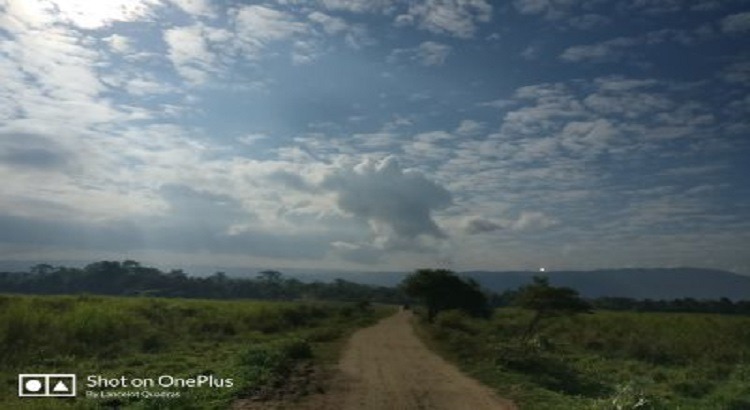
x: 389, y: 197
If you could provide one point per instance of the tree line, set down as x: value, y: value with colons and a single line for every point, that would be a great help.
x: 130, y: 278
x: 436, y: 289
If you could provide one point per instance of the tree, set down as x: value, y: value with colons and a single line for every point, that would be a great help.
x: 42, y: 269
x: 549, y: 301
x: 441, y: 289
x: 270, y: 276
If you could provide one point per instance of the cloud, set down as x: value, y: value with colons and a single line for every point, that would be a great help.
x: 48, y: 157
x: 361, y: 253
x: 358, y: 6
x: 527, y: 221
x: 574, y: 13
x: 252, y: 139
x: 201, y: 51
x: 535, y: 6
x: 195, y: 7
x: 533, y: 221
x: 655, y: 6
x: 330, y: 24
x: 469, y: 127
x: 478, y: 225
x: 736, y: 23
x: 187, y: 49
x: 291, y: 180
x: 257, y: 25
x: 119, y: 44
x: 458, y: 18
x: 737, y: 73
x: 80, y: 13
x: 428, y: 53
x: 618, y: 48
x: 432, y: 53
x: 588, y: 138
x: 177, y: 231
x: 588, y: 21
x: 395, y: 201
x: 606, y: 51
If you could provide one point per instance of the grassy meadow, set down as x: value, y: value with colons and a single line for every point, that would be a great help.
x: 604, y: 360
x: 257, y: 344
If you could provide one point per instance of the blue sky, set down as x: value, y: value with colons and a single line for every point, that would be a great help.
x: 378, y: 134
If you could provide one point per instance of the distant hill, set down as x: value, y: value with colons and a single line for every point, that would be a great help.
x: 639, y: 283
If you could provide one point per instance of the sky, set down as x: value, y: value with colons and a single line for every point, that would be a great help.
x: 377, y: 134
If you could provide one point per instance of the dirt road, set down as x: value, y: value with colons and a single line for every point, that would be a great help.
x: 386, y: 367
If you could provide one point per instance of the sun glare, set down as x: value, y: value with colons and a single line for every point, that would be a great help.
x: 94, y: 14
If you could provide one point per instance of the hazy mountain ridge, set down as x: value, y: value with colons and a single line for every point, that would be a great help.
x: 639, y: 283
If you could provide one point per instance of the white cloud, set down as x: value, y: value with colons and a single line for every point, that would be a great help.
x: 588, y: 138
x: 305, y: 51
x: 588, y: 21
x: 530, y: 53
x: 358, y: 6
x: 432, y: 53
x: 532, y: 6
x: 469, y: 127
x: 559, y: 9
x: 143, y: 85
x: 397, y: 203
x: 252, y: 139
x: 188, y: 51
x: 79, y: 13
x: 119, y: 44
x: 428, y: 53
x: 195, y: 7
x: 458, y: 18
x: 617, y: 49
x: 527, y: 221
x: 533, y: 221
x: 477, y: 225
x: 655, y: 6
x: 606, y: 51
x: 736, y: 23
x: 500, y: 103
x: 330, y: 24
x: 258, y: 26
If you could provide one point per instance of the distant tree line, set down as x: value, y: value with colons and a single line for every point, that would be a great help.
x: 681, y: 305
x: 130, y: 278
x: 436, y: 289
x: 687, y: 305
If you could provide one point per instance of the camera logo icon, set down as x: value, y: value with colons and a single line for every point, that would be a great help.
x: 46, y: 385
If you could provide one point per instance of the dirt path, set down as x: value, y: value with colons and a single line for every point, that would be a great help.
x: 386, y: 367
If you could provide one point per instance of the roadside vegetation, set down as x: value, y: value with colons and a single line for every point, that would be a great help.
x: 257, y: 344
x: 550, y: 351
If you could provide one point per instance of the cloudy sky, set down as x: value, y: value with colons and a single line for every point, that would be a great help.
x: 377, y: 134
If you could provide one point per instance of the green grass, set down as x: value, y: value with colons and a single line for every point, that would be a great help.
x: 606, y: 360
x: 255, y: 343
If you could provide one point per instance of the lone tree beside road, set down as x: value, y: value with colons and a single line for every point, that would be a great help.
x: 442, y: 289
x: 549, y: 301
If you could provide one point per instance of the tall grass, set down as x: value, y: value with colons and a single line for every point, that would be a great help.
x: 250, y: 341
x: 606, y: 360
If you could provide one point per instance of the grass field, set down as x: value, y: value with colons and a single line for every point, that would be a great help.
x: 605, y: 360
x: 256, y: 344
